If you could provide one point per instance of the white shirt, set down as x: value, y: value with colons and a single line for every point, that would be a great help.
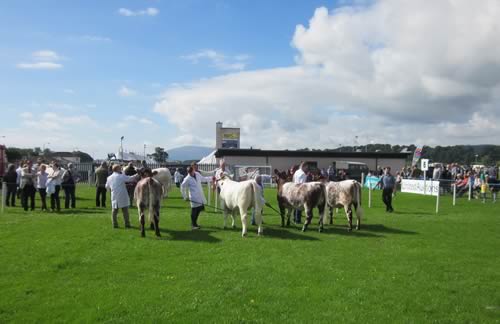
x: 42, y: 180
x: 177, y: 177
x: 119, y: 195
x: 19, y: 171
x: 56, y: 176
x: 299, y: 176
x: 191, y: 188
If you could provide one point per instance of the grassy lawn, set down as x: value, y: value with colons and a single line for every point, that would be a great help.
x: 409, y: 266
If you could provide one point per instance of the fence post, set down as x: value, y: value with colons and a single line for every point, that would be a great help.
x: 4, y: 195
x: 216, y: 199
x: 209, y: 186
x: 437, y: 202
x: 495, y: 197
x: 370, y: 195
x: 470, y: 190
x: 362, y: 179
x: 89, y: 174
x: 454, y: 194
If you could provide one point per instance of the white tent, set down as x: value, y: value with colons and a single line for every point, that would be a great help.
x: 209, y: 159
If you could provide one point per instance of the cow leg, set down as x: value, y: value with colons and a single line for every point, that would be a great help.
x: 331, y: 215
x: 141, y: 219
x: 348, y: 212
x: 321, y: 217
x: 258, y: 219
x: 225, y: 218
x: 309, y: 216
x: 156, y: 220
x: 243, y: 214
x: 358, y: 218
x: 282, y: 214
x: 233, y: 225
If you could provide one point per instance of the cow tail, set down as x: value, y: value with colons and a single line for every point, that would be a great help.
x: 150, y: 207
x: 257, y: 197
x: 359, y: 209
x: 325, y: 202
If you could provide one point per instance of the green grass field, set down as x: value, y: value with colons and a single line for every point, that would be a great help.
x: 410, y: 266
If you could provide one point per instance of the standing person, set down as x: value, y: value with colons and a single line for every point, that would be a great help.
x: 299, y: 177
x: 55, y: 178
x: 19, y: 170
x: 331, y: 173
x: 69, y: 180
x: 130, y: 171
x: 27, y: 185
x: 101, y: 176
x: 388, y: 185
x: 10, y: 180
x: 41, y: 185
x: 177, y: 178
x: 117, y: 183
x: 191, y: 190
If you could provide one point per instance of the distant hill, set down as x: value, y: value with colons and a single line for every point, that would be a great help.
x: 188, y: 153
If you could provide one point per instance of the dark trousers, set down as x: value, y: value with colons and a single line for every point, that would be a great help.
x: 28, y: 194
x: 100, y: 197
x: 43, y: 197
x: 11, y: 195
x: 195, y: 212
x: 387, y: 198
x: 55, y: 201
x: 297, y: 216
x: 69, y: 196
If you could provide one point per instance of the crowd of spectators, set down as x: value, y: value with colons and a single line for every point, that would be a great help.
x: 25, y: 179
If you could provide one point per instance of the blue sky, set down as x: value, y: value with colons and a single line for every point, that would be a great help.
x: 80, y: 74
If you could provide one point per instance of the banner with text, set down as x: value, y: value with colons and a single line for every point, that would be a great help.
x: 417, y: 187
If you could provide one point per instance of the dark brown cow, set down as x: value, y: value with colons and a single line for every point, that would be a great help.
x: 305, y: 196
x: 148, y: 194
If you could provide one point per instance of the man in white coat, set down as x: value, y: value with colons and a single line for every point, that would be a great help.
x: 119, y: 195
x: 299, y: 177
x: 178, y: 178
x: 191, y: 190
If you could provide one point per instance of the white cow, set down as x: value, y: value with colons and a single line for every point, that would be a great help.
x: 345, y: 194
x: 241, y: 196
x: 163, y: 176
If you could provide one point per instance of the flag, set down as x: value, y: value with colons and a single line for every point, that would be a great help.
x: 417, y: 155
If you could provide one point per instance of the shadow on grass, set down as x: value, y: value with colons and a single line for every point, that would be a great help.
x: 202, y: 235
x: 288, y: 233
x: 342, y: 230
x: 412, y: 213
x: 379, y: 228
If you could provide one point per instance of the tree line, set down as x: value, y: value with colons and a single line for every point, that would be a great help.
x: 462, y: 154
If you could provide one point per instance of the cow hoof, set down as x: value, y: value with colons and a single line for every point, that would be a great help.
x: 233, y: 227
x: 143, y: 234
x: 158, y: 235
x: 320, y: 229
x: 358, y: 228
x: 349, y: 229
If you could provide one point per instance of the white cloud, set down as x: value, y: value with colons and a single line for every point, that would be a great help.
x: 219, y: 60
x: 42, y: 60
x: 126, y: 92
x: 50, y: 121
x: 145, y: 12
x: 39, y: 66
x: 45, y: 55
x: 69, y: 91
x: 135, y: 120
x: 392, y: 71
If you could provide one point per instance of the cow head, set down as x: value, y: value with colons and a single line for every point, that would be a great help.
x: 280, y: 178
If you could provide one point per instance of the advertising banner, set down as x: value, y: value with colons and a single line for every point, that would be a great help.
x: 431, y: 188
